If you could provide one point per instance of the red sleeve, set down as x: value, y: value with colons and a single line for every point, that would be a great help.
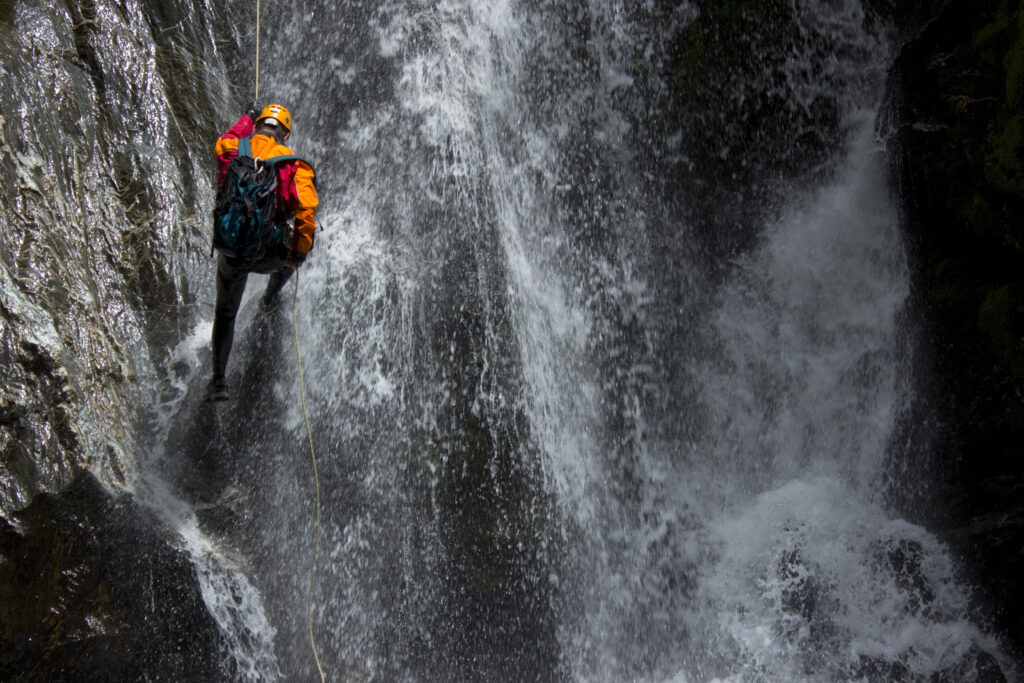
x: 242, y: 129
x: 286, y: 183
x: 226, y: 152
x: 298, y: 193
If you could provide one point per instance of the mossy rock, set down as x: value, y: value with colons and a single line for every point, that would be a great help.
x: 1001, y: 318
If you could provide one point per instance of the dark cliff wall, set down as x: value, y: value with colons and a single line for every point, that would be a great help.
x: 92, y: 591
x: 957, y: 97
x: 107, y: 111
x: 106, y: 119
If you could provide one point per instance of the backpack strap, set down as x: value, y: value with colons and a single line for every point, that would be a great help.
x: 245, y: 150
x: 244, y: 147
x: 289, y: 157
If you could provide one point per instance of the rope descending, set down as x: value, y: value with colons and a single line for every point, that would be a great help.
x: 316, y: 479
x: 257, y: 98
x: 305, y: 413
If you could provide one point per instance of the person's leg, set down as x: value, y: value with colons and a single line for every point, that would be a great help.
x: 275, y: 283
x: 230, y: 287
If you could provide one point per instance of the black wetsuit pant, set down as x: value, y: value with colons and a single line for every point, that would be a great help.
x: 232, y: 274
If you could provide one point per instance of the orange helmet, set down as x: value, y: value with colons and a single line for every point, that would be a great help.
x: 276, y: 114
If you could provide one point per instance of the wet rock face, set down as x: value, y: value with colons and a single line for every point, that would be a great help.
x: 958, y: 100
x: 106, y: 117
x: 107, y: 114
x: 81, y: 604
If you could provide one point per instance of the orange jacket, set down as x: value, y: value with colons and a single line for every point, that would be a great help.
x: 296, y: 188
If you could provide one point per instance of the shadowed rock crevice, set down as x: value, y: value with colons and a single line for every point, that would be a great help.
x: 957, y: 98
x: 81, y: 604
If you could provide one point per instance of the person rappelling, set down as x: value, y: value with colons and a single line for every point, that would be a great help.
x: 264, y: 220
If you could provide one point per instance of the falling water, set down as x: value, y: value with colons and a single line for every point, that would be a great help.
x: 597, y: 393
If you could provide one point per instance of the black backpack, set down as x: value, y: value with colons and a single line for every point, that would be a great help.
x: 245, y: 221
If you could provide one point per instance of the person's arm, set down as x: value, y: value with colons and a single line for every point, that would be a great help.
x: 227, y: 144
x: 303, y: 207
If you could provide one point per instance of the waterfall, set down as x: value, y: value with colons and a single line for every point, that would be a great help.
x: 607, y: 349
x: 559, y: 436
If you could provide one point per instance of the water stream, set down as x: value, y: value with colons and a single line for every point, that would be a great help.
x: 585, y: 408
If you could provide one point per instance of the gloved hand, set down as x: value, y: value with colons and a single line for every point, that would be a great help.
x: 253, y: 111
x: 295, y: 260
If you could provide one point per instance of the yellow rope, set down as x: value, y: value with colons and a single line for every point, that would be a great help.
x: 316, y: 479
x: 305, y: 413
x: 257, y: 98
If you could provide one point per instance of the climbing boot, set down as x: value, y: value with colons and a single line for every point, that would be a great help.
x: 217, y: 390
x: 268, y: 302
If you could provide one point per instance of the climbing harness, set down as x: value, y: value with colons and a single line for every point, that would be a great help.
x: 316, y: 477
x: 305, y: 413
